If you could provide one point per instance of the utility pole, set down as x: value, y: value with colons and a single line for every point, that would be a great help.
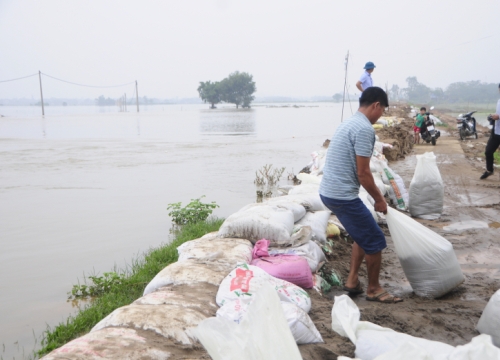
x: 41, y: 93
x: 136, y: 96
x: 345, y: 84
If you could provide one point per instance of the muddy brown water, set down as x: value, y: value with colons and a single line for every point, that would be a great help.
x: 84, y: 189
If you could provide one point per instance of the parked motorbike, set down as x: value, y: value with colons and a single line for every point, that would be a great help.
x: 428, y: 130
x: 466, y: 125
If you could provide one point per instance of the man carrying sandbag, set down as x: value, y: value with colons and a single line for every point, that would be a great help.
x: 347, y: 166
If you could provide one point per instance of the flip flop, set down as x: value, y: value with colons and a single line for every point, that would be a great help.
x: 378, y: 298
x: 355, y: 290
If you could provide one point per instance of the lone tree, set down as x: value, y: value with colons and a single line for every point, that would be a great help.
x: 237, y: 88
x: 210, y: 92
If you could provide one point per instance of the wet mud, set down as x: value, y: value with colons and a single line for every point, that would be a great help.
x: 469, y: 203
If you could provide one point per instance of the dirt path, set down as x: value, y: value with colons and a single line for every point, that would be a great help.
x: 452, y: 318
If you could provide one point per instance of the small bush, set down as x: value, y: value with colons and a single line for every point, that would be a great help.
x: 193, y: 212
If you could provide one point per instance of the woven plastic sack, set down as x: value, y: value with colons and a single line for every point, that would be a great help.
x: 262, y: 334
x: 489, y: 322
x: 298, y: 210
x: 318, y: 221
x: 428, y: 259
x: 372, y: 340
x: 291, y: 268
x: 246, y: 280
x: 309, y: 251
x: 311, y: 201
x: 189, y: 272
x: 426, y: 189
x: 304, y: 189
x: 223, y: 250
x: 112, y: 343
x: 303, y: 329
x: 260, y: 222
x: 397, y: 191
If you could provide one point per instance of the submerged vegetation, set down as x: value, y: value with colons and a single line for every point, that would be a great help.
x: 120, y: 288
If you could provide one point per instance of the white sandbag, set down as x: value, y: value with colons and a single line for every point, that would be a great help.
x: 231, y: 251
x: 426, y: 189
x: 309, y: 179
x: 262, y: 334
x: 372, y: 340
x: 303, y: 329
x: 377, y: 177
x: 244, y: 281
x: 318, y: 221
x: 480, y: 347
x: 284, y: 189
x: 428, y: 259
x: 111, y: 343
x: 298, y: 210
x: 311, y: 201
x: 407, y: 350
x: 269, y: 222
x: 489, y: 322
x: 304, y: 189
x: 199, y: 296
x: 170, y: 321
x: 397, y: 191
x: 310, y: 251
x: 189, y: 271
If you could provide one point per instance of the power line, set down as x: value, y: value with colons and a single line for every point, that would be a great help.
x: 93, y: 86
x: 24, y: 77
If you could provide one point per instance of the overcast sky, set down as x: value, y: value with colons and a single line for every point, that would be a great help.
x: 291, y: 47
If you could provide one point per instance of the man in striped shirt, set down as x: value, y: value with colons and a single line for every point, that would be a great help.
x: 347, y: 167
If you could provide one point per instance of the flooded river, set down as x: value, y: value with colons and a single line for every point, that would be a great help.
x: 85, y: 188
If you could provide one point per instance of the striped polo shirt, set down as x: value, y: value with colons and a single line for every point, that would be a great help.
x: 355, y: 136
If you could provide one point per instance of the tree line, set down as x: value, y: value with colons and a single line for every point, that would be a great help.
x: 237, y: 88
x: 458, y: 92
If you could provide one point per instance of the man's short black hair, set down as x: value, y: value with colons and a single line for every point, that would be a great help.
x: 423, y: 108
x: 372, y: 95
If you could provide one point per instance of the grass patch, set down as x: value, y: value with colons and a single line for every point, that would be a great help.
x: 131, y: 286
x: 496, y: 157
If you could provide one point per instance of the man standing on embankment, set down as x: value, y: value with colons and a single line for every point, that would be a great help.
x: 493, y: 141
x: 366, y: 81
x: 347, y: 167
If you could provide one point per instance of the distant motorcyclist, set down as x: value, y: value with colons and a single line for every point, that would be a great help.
x: 493, y: 141
x: 419, y: 123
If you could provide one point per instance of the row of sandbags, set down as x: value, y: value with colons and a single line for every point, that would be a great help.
x: 417, y: 247
x: 374, y: 342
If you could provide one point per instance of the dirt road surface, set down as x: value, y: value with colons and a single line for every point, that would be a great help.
x: 451, y: 319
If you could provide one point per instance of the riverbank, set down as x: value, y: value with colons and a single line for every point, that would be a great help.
x: 126, y: 288
x: 452, y: 318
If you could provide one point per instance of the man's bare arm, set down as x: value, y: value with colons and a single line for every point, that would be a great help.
x: 366, y: 180
x: 358, y: 85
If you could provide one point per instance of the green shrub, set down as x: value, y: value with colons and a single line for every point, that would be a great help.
x: 192, y: 213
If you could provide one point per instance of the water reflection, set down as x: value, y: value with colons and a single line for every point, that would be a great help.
x: 231, y: 122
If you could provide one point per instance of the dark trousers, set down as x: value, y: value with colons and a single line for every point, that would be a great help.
x: 491, y: 147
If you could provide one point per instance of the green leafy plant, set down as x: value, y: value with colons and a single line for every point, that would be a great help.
x: 99, y: 286
x: 192, y: 213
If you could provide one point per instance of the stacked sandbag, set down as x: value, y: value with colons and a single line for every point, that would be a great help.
x: 426, y: 189
x: 428, y: 259
x: 204, y: 260
x: 274, y: 223
x: 489, y: 322
x: 123, y: 343
x: 239, y: 288
x: 374, y: 342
